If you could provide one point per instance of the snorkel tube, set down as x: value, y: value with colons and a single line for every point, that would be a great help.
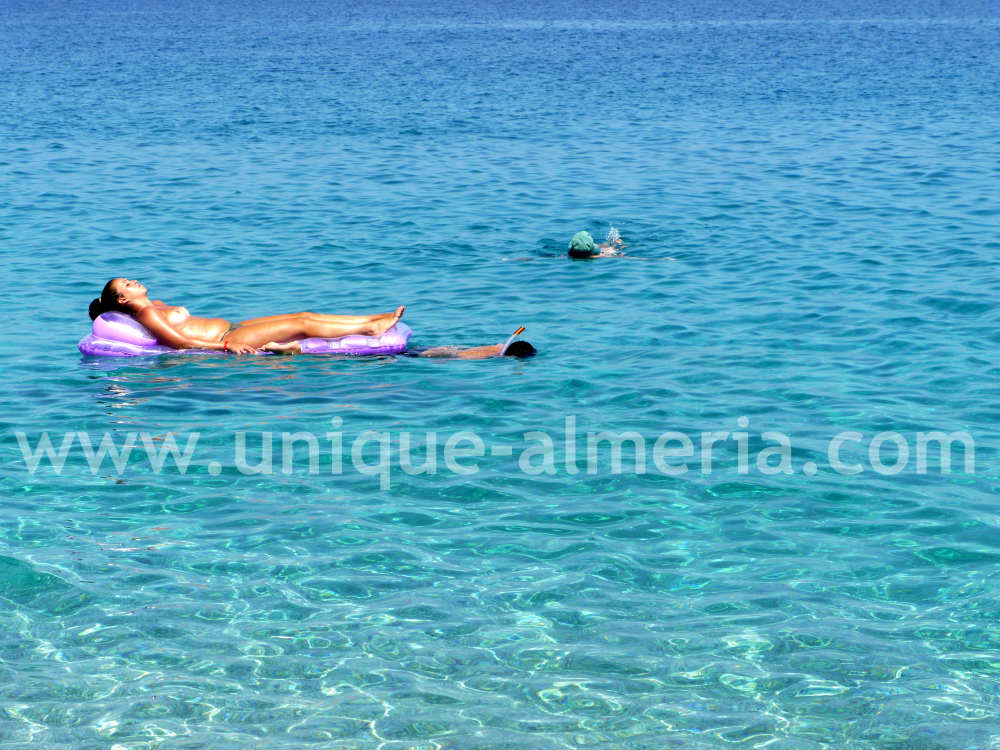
x: 510, y: 341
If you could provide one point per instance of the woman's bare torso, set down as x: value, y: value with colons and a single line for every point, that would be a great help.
x: 188, y: 325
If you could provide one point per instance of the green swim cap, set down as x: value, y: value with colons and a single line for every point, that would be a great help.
x: 582, y: 244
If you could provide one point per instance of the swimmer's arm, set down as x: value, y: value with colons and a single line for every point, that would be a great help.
x: 453, y: 352
x: 166, y: 334
x: 439, y: 352
x: 481, y: 352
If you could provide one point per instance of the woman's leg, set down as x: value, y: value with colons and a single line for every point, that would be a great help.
x: 306, y: 326
x: 334, y: 319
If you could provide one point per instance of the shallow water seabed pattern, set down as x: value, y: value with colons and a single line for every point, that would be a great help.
x: 824, y: 180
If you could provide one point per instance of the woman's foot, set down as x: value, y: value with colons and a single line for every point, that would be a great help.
x: 291, y: 347
x: 384, y: 322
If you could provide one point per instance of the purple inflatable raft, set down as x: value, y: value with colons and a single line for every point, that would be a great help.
x: 118, y: 335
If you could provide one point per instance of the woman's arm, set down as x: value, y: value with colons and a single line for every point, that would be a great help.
x: 614, y: 247
x: 166, y: 334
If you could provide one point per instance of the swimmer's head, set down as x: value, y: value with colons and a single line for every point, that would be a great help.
x: 116, y: 296
x: 582, y: 245
x: 520, y: 349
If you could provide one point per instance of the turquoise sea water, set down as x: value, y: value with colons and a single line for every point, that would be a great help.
x: 825, y: 181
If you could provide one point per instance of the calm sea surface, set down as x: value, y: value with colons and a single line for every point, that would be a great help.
x: 810, y: 196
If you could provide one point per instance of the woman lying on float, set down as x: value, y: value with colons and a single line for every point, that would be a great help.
x: 174, y: 327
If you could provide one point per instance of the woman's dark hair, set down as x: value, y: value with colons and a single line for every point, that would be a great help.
x: 106, y: 302
x: 520, y: 349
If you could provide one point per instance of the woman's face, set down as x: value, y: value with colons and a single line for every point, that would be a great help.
x: 129, y: 289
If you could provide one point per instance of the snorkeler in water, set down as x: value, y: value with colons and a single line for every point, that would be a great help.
x: 583, y: 246
x: 508, y: 348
